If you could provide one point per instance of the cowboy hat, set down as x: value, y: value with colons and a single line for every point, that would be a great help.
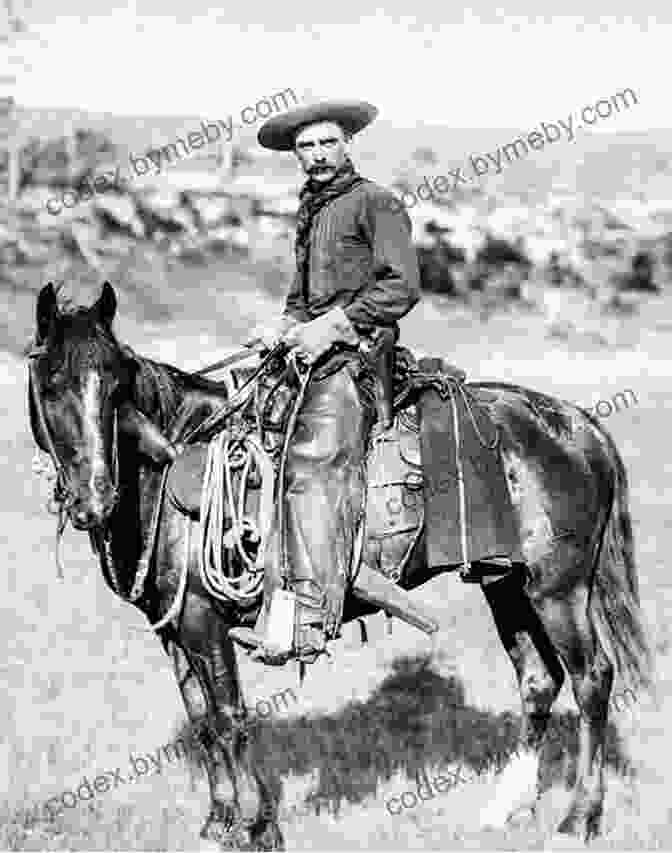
x: 279, y: 132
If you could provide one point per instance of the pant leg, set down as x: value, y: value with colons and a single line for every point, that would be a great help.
x: 324, y: 490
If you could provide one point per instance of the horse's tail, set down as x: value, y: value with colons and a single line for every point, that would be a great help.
x: 615, y: 608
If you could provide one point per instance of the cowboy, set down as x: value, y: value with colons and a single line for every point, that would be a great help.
x: 356, y: 276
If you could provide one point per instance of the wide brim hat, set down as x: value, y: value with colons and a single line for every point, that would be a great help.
x: 279, y: 132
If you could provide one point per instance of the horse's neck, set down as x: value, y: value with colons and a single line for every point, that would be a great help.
x: 157, y: 394
x: 161, y: 398
x: 171, y: 400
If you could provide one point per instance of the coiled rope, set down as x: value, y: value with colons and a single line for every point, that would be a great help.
x: 218, y: 574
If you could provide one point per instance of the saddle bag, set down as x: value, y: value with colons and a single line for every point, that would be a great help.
x: 395, y: 502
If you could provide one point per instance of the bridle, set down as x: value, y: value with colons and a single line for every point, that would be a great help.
x: 65, y: 491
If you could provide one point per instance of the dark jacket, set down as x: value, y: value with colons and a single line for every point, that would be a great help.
x: 362, y: 259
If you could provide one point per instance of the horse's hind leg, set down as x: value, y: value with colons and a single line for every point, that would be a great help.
x: 540, y: 677
x: 592, y: 675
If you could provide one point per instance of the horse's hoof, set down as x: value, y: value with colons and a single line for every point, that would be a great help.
x: 563, y: 841
x: 578, y: 828
x: 516, y: 789
x: 492, y: 819
x: 216, y: 836
x: 583, y: 823
x: 222, y: 837
x: 270, y: 838
x: 207, y: 845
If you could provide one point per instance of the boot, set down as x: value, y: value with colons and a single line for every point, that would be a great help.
x: 298, y: 625
x: 319, y: 616
x: 272, y: 639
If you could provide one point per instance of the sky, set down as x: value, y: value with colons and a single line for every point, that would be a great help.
x: 475, y: 67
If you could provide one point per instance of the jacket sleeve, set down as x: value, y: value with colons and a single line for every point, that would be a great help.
x: 396, y: 288
x: 294, y: 307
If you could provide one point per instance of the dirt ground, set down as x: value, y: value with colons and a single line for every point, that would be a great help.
x: 86, y: 685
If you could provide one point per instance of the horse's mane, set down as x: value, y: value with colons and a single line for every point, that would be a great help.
x: 156, y: 386
x: 160, y: 386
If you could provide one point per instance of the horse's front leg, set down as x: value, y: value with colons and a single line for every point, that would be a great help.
x: 243, y: 813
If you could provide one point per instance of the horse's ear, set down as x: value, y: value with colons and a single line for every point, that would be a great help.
x: 106, y: 306
x: 47, y: 309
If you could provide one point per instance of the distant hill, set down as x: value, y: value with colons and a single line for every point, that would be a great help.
x: 605, y: 165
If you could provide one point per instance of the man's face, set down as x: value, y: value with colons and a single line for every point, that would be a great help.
x: 321, y: 149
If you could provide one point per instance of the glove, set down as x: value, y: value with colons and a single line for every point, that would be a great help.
x: 313, y: 339
x: 269, y: 333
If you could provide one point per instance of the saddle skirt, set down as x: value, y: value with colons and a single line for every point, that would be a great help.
x: 469, y: 514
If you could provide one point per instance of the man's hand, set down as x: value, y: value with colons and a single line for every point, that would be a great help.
x: 334, y: 598
x: 313, y: 339
x: 271, y: 332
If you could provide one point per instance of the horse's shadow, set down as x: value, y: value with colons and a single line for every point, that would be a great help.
x: 415, y: 719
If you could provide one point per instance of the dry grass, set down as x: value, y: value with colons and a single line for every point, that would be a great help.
x: 85, y: 684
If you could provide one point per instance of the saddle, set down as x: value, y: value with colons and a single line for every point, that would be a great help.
x: 433, y: 464
x: 268, y: 410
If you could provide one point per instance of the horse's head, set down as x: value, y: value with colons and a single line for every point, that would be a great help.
x: 78, y: 377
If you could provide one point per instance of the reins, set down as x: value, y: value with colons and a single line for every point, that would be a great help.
x: 239, y: 399
x: 251, y: 348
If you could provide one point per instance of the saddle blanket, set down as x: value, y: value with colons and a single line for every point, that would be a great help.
x: 491, y: 525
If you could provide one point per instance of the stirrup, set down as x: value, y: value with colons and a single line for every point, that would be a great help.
x: 308, y: 648
x: 275, y: 644
x: 306, y: 651
x: 255, y: 645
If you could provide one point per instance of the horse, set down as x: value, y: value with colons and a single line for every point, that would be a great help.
x: 579, y: 612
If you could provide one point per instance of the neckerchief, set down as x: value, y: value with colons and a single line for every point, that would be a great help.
x: 313, y: 197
